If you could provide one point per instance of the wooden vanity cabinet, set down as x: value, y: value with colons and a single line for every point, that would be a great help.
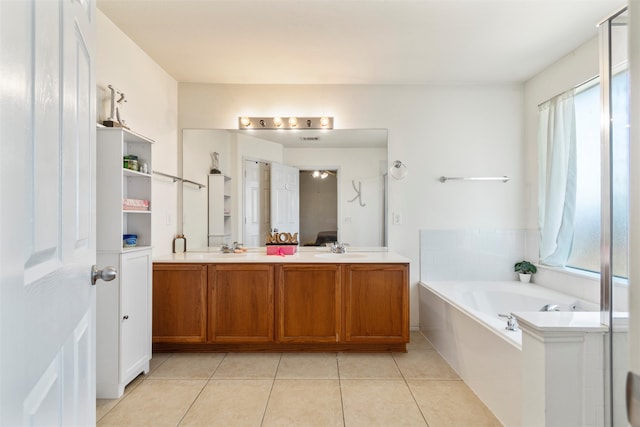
x: 241, y: 303
x: 280, y: 307
x: 179, y: 303
x: 308, y: 303
x: 376, y: 303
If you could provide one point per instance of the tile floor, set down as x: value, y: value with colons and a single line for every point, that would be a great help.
x: 416, y: 388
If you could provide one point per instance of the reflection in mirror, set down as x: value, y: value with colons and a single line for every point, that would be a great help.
x: 349, y: 204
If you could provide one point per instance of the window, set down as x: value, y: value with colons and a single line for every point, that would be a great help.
x: 585, y: 249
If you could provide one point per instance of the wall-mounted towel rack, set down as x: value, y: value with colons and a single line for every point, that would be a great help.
x: 177, y: 178
x: 444, y: 179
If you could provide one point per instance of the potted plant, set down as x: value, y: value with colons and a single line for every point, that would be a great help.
x: 525, y: 269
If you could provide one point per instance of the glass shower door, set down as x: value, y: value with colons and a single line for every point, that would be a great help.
x: 615, y: 209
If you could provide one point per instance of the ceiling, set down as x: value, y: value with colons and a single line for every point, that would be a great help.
x: 357, y: 41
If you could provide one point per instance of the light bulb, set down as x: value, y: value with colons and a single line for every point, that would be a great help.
x: 323, y: 175
x: 277, y: 122
x: 324, y: 122
x: 315, y: 174
x: 245, y: 121
x: 293, y: 122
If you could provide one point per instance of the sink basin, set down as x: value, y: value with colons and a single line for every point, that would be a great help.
x: 210, y: 255
x: 348, y: 255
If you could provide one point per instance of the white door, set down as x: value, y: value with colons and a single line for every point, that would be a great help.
x: 47, y: 219
x: 285, y: 198
x: 256, y: 203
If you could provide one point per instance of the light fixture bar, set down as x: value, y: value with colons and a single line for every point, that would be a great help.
x: 285, y: 122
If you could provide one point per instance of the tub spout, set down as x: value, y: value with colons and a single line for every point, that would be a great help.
x: 550, y: 307
x: 512, y: 322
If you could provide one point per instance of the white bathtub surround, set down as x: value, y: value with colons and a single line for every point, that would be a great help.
x: 461, y: 320
x: 563, y: 368
x: 474, y: 254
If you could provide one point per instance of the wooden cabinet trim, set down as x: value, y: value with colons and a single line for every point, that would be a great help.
x: 264, y: 312
x: 281, y: 311
x: 201, y: 336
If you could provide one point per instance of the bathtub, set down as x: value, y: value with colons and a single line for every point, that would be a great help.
x: 461, y: 321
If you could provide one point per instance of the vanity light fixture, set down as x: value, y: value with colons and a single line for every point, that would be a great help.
x: 293, y: 122
x: 398, y: 170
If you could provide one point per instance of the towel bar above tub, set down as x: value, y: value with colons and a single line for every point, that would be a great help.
x: 444, y: 179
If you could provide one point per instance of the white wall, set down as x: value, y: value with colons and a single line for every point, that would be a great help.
x: 462, y: 130
x: 151, y: 110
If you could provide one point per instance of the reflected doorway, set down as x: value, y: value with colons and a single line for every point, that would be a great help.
x: 318, y: 207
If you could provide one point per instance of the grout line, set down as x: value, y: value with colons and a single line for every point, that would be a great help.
x: 273, y: 382
x: 344, y: 420
x: 192, y: 403
x: 217, y: 366
x: 409, y: 388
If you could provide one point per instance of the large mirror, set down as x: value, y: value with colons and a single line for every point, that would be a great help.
x: 325, y: 185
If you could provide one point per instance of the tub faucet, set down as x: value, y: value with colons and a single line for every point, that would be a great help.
x: 512, y: 322
x: 550, y: 307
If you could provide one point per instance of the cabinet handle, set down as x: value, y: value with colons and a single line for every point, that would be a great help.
x: 125, y: 317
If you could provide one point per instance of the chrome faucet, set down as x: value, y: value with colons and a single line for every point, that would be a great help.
x: 512, y: 322
x: 229, y: 249
x: 338, y: 248
x: 550, y: 307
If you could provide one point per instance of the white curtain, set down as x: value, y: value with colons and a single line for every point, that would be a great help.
x: 556, y: 178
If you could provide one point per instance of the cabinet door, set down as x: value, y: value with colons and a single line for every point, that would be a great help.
x: 135, y: 316
x: 240, y: 303
x: 179, y: 303
x: 308, y: 303
x: 376, y: 303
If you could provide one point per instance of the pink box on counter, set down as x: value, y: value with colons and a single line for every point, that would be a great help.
x: 281, y: 250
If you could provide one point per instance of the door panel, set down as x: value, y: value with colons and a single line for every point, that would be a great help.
x: 285, y: 198
x: 308, y: 303
x: 47, y: 338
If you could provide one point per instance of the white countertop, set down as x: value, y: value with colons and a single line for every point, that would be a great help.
x: 304, y: 255
x: 561, y: 321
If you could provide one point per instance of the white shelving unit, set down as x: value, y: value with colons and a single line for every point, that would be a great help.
x: 219, y: 209
x: 123, y: 306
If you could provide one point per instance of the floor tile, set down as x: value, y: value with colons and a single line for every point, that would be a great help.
x: 358, y: 365
x: 379, y: 403
x: 248, y: 366
x: 157, y: 360
x: 304, y: 403
x: 103, y: 406
x: 308, y: 366
x: 451, y: 404
x: 188, y: 366
x: 427, y: 364
x: 230, y: 403
x: 418, y: 342
x: 154, y: 403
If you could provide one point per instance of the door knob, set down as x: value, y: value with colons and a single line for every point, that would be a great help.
x: 107, y: 274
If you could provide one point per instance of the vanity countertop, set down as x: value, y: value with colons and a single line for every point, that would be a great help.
x: 304, y: 255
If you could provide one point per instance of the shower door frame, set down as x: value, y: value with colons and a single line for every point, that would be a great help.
x: 606, y: 243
